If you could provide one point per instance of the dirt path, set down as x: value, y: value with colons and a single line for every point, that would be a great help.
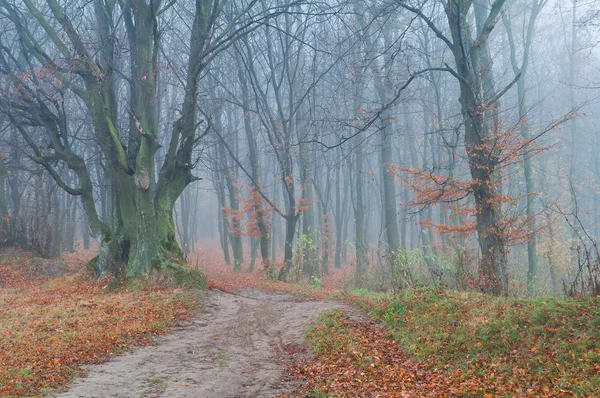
x: 228, y: 350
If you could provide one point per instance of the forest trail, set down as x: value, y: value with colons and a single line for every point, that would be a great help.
x: 230, y: 349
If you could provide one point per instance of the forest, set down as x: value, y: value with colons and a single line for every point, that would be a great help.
x: 400, y: 155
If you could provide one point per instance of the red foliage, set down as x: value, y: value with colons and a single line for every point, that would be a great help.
x: 253, y: 207
x: 504, y: 150
x: 221, y: 276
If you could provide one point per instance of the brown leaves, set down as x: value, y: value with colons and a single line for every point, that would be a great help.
x: 48, y: 330
x: 361, y: 359
x: 221, y: 276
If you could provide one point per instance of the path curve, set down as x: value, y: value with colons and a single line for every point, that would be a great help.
x: 228, y: 350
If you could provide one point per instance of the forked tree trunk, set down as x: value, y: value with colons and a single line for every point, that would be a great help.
x: 141, y: 232
x: 479, y: 112
x: 137, y: 231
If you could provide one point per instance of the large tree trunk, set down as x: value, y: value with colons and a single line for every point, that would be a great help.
x: 137, y: 232
x: 476, y: 92
x: 141, y: 232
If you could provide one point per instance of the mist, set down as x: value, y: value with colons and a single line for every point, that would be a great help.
x: 452, y: 145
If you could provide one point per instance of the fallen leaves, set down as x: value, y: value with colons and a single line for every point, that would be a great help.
x: 221, y: 276
x: 444, y: 344
x: 466, y: 344
x: 50, y: 327
x: 361, y: 359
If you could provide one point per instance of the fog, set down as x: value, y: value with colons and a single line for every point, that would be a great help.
x: 449, y: 144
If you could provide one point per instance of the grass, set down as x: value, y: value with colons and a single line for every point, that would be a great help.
x: 49, y: 327
x: 551, y: 344
x: 158, y: 383
x: 222, y: 358
x: 329, y: 324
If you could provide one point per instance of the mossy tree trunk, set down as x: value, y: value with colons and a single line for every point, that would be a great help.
x: 141, y: 232
x: 138, y: 233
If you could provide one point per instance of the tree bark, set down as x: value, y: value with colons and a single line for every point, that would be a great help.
x: 251, y: 137
x: 476, y: 89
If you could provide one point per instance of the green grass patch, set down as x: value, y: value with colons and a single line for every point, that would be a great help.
x: 324, y: 335
x: 554, y: 343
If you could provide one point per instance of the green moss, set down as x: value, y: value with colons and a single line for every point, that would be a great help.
x: 168, y: 277
x: 189, y: 278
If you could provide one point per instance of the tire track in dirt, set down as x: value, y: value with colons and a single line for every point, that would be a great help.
x: 228, y: 350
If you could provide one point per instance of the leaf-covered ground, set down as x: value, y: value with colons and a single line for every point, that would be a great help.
x: 360, y: 359
x: 51, y: 325
x: 456, y: 345
x: 421, y: 343
x: 221, y: 276
x: 441, y: 343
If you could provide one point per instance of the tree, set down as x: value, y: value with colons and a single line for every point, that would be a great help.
x: 521, y: 70
x: 251, y: 137
x: 479, y: 101
x: 56, y: 62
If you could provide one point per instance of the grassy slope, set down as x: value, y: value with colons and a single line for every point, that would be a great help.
x: 49, y: 327
x: 528, y: 347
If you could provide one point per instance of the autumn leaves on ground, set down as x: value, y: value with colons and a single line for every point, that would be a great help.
x: 420, y: 343
x: 52, y: 324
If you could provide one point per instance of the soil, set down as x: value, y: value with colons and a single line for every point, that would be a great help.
x: 235, y: 347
